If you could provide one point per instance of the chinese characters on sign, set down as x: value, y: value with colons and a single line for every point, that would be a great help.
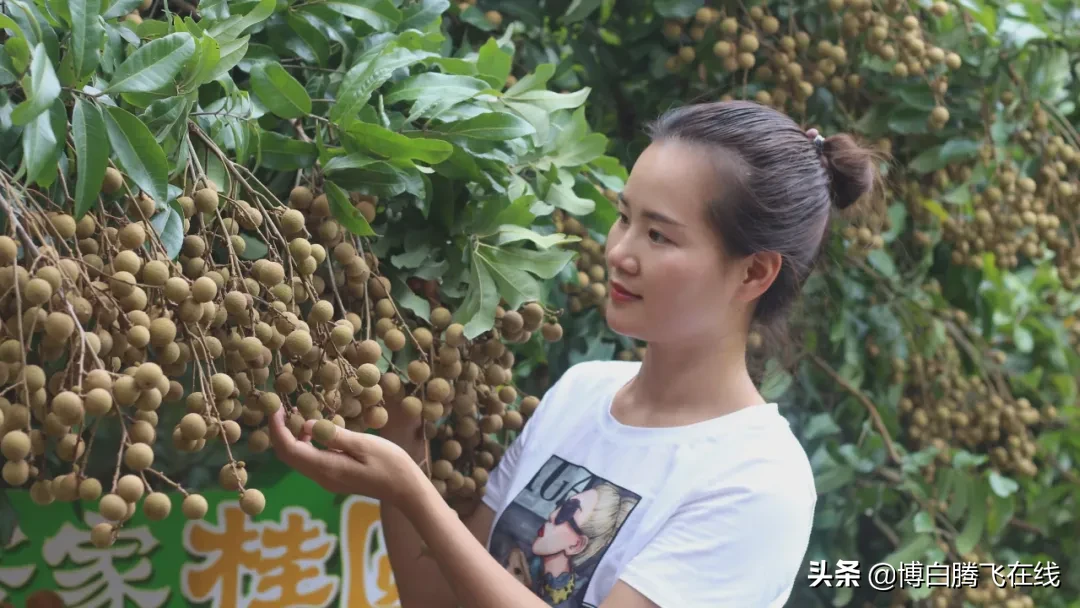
x: 286, y: 560
x: 886, y: 577
x: 96, y: 580
x: 14, y: 577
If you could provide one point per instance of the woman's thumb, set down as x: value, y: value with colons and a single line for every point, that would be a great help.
x: 330, y: 435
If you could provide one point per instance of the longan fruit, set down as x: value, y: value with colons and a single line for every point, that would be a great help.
x: 15, y: 445
x: 98, y: 401
x: 442, y: 469
x: 223, y: 385
x: 419, y: 371
x: 204, y: 289
x: 300, y: 197
x: 113, y: 507
x: 528, y: 405
x: 89, y: 489
x: 16, y: 472
x: 455, y: 335
x: 231, y: 479
x: 148, y: 375
x: 139, y: 456
x: 441, y: 317
x: 323, y: 431
x: 192, y: 427
x: 157, y: 506
x: 37, y: 292
x: 292, y: 221
x: 412, y: 407
x: 368, y: 351
x: 130, y: 487
x: 258, y: 441
x: 298, y: 343
x: 206, y: 200
x: 252, y: 502
x: 101, y: 535
x: 552, y: 332
x: 394, y: 339
x: 132, y: 236
x: 194, y: 507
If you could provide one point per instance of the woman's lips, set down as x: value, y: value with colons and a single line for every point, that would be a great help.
x: 622, y: 294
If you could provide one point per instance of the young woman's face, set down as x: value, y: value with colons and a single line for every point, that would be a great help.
x: 558, y: 534
x: 662, y: 250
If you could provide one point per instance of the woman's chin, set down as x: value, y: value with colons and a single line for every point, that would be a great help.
x: 619, y: 323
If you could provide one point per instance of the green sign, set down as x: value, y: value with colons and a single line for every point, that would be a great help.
x: 307, y: 548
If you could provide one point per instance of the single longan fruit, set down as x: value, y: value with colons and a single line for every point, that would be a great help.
x: 259, y: 441
x: 342, y: 334
x: 130, y: 488
x: 455, y: 335
x: 132, y: 236
x: 139, y: 457
x: 16, y: 472
x: 113, y: 507
x: 252, y: 502
x: 98, y: 402
x: 528, y: 405
x: 206, y: 200
x: 162, y: 332
x: 223, y: 385
x: 552, y: 332
x: 300, y: 197
x: 101, y: 535
x: 394, y: 340
x: 441, y: 317
x: 298, y: 343
x: 368, y: 351
x: 451, y: 450
x: 512, y: 420
x: 321, y: 312
x: 192, y: 427
x: 177, y: 289
x: 412, y: 407
x: 442, y: 469
x: 419, y: 371
x: 323, y: 431
x: 37, y: 292
x: 90, y: 489
x: 438, y: 389
x: 368, y: 375
x: 148, y: 375
x: 113, y: 181
x: 15, y: 445
x: 292, y: 221
x: 376, y: 417
x: 68, y: 407
x: 157, y: 506
x: 194, y: 507
x: 204, y: 289
x: 232, y: 479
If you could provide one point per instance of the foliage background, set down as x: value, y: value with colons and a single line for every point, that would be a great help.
x: 934, y: 302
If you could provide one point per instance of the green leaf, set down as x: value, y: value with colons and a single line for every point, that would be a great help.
x: 510, y: 233
x: 169, y: 226
x: 407, y: 298
x: 279, y: 91
x: 234, y: 27
x: 477, y: 311
x: 1023, y: 339
x: 562, y: 196
x: 882, y: 262
x: 41, y: 87
x: 345, y: 213
x: 138, y: 153
x: 923, y: 522
x: 285, y: 153
x: 579, y: 10
x: 424, y: 13
x: 544, y: 264
x: 494, y: 63
x: 936, y: 209
x: 678, y: 9
x: 928, y: 161
x: 388, y: 144
x: 91, y: 154
x: 119, y: 8
x: 1001, y: 485
x: 538, y: 79
x: 552, y: 101
x: 777, y: 381
x: 381, y: 15
x: 153, y: 65
x: 495, y: 126
x: 372, y: 70
x: 960, y: 149
x: 433, y: 93
x: 201, y: 71
x: 87, y: 37
x: 973, y: 527
x: 230, y: 54
x: 43, y: 141
x: 254, y: 248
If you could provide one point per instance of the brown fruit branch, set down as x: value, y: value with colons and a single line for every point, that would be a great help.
x: 119, y: 454
x: 172, y: 483
x: 865, y: 401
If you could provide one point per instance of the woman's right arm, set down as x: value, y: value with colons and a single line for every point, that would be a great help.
x: 419, y: 580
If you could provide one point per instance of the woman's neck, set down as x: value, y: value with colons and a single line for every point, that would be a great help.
x: 688, y: 382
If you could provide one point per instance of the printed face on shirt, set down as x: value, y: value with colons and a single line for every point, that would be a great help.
x: 561, y: 532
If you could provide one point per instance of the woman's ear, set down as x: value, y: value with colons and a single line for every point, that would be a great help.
x: 759, y: 270
x: 578, y: 546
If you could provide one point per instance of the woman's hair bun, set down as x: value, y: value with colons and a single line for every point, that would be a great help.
x: 852, y: 169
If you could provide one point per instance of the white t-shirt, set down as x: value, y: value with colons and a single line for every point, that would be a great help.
x: 711, y: 514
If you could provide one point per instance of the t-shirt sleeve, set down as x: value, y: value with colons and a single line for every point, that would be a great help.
x: 741, y: 549
x: 502, y: 475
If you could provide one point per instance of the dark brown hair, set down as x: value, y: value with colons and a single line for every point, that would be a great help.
x: 781, y: 189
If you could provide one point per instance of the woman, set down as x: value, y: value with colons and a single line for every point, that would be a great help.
x: 669, y: 482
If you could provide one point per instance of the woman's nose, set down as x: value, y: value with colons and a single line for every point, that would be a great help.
x: 620, y: 257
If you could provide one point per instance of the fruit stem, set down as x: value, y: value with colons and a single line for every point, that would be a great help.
x: 172, y: 483
x: 119, y: 453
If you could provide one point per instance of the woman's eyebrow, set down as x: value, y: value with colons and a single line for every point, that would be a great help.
x: 653, y: 215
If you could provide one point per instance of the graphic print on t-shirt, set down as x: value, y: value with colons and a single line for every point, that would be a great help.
x: 556, y: 530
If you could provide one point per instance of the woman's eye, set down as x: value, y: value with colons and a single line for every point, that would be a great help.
x: 658, y: 237
x: 623, y: 218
